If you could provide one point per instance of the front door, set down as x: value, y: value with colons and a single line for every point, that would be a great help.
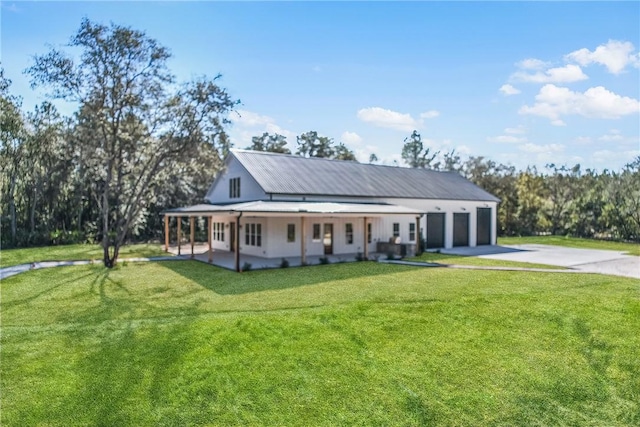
x: 232, y: 237
x: 328, y: 239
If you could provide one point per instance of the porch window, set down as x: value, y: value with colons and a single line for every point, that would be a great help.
x: 291, y: 233
x: 218, y: 231
x: 412, y: 231
x: 253, y: 234
x: 396, y: 229
x: 234, y: 188
x: 348, y: 230
x: 316, y: 232
x: 369, y: 233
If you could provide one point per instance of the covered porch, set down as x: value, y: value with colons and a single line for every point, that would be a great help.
x: 226, y: 259
x: 253, y: 234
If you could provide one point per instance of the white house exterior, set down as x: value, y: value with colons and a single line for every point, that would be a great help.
x: 275, y: 205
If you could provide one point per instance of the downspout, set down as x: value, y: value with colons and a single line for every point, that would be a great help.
x: 237, y: 237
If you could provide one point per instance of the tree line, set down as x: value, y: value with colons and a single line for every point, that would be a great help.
x: 140, y: 142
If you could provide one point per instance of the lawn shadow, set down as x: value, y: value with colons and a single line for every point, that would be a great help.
x: 225, y: 282
x: 129, y: 364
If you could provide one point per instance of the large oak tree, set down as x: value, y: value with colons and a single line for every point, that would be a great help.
x: 136, y: 121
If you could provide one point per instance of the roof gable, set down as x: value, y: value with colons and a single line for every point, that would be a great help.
x: 296, y: 175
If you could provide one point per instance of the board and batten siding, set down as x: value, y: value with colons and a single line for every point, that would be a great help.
x: 249, y: 188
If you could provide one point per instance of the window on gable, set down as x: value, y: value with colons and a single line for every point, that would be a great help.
x: 291, y: 233
x: 316, y: 232
x: 348, y: 231
x: 396, y: 229
x: 234, y: 188
x: 412, y: 231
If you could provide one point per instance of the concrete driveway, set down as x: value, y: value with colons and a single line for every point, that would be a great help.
x: 587, y: 260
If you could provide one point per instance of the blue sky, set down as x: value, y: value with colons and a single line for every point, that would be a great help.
x: 522, y: 83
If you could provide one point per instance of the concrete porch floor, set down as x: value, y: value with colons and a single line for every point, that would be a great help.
x: 226, y: 259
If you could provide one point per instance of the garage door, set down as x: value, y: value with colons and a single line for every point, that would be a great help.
x: 435, y: 230
x: 460, y: 229
x: 483, y: 221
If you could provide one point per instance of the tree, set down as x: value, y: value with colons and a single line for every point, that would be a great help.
x: 310, y: 144
x: 414, y: 153
x: 275, y: 143
x: 12, y: 137
x: 373, y: 158
x: 136, y: 124
x: 341, y: 152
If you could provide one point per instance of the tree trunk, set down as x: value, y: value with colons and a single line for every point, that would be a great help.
x: 12, y: 207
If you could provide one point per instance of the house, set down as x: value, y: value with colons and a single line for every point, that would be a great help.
x: 272, y: 206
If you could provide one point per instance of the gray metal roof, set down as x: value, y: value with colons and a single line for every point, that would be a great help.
x: 296, y: 175
x: 297, y: 208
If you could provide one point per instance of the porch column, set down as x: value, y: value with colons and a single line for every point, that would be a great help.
x: 179, y: 218
x: 192, y: 223
x: 418, y: 236
x: 166, y: 233
x: 366, y: 239
x: 209, y: 236
x: 237, y: 254
x: 303, y: 255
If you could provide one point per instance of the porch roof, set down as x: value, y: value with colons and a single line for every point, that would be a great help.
x: 269, y: 208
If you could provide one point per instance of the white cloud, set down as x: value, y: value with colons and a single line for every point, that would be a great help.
x: 596, y: 102
x: 558, y: 122
x: 248, y: 124
x: 350, y: 138
x: 508, y: 90
x: 431, y: 114
x: 517, y: 130
x: 583, y: 140
x: 532, y: 64
x: 610, y: 138
x: 506, y: 139
x: 250, y: 119
x: 384, y: 118
x: 615, y: 55
x: 608, y: 157
x: 567, y: 74
x: 542, y: 149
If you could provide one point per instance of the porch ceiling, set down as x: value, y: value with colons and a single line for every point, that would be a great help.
x: 269, y: 208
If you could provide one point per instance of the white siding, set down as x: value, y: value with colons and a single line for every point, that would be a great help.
x: 249, y: 188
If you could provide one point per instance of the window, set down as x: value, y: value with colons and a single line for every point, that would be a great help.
x: 218, y: 231
x: 291, y: 233
x: 234, y: 188
x: 316, y: 232
x: 348, y: 231
x: 369, y: 233
x: 253, y: 234
x: 396, y: 229
x: 412, y: 231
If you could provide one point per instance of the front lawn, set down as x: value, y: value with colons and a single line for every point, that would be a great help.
x: 9, y: 257
x: 572, y: 242
x: 184, y: 343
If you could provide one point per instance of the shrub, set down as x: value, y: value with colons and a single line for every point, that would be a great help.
x: 360, y: 257
x: 284, y: 263
x: 246, y: 266
x: 324, y: 260
x: 391, y: 255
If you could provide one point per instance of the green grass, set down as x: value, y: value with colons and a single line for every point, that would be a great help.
x: 183, y: 343
x: 572, y: 242
x: 472, y: 260
x: 10, y: 257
